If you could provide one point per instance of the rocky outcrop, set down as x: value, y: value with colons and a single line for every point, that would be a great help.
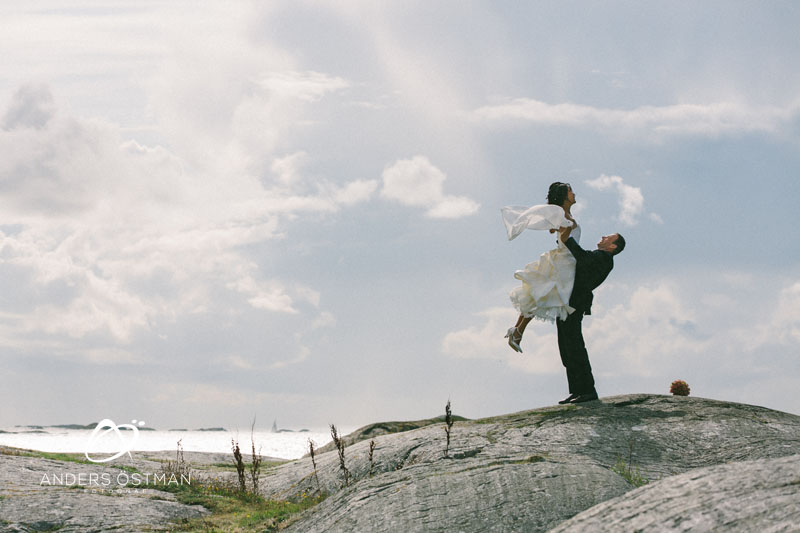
x: 761, y: 495
x: 38, y: 494
x: 370, y: 431
x: 712, y: 466
x: 528, y: 471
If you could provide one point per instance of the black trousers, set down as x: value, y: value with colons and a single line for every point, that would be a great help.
x: 574, y: 355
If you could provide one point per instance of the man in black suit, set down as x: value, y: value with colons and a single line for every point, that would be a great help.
x: 591, y: 269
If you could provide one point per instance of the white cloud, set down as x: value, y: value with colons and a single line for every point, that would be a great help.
x: 787, y: 315
x: 309, y: 86
x: 31, y: 107
x: 781, y: 327
x: 631, y: 201
x: 355, y: 192
x: 654, y: 122
x: 325, y: 319
x: 418, y: 183
x: 654, y: 329
x: 127, y: 235
x: 292, y: 182
x: 486, y: 341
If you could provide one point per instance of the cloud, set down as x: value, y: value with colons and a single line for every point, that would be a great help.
x: 309, y: 86
x: 631, y: 201
x: 486, y: 341
x: 708, y: 120
x: 663, y: 328
x: 31, y: 107
x: 418, y: 183
x: 655, y: 328
x: 108, y: 237
x: 781, y: 327
x: 787, y: 315
x: 304, y: 193
x: 651, y: 329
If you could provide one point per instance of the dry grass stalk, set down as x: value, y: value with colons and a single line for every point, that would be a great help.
x: 340, y: 446
x: 313, y: 460
x: 371, y: 452
x: 179, y: 467
x: 255, y: 466
x: 448, y: 420
x: 239, y: 464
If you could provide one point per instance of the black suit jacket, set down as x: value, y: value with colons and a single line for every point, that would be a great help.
x: 591, y: 269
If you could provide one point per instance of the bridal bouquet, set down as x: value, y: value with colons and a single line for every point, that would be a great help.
x: 679, y: 388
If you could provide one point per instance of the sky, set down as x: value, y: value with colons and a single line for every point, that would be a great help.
x: 212, y: 212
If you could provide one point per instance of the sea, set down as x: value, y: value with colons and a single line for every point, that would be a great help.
x: 283, y: 444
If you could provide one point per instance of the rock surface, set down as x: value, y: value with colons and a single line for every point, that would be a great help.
x: 712, y: 465
x: 762, y: 495
x: 38, y: 494
x: 527, y: 471
x: 377, y: 429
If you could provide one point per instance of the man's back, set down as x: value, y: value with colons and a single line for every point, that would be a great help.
x: 591, y: 269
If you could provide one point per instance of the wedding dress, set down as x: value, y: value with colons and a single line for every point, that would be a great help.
x: 546, y: 283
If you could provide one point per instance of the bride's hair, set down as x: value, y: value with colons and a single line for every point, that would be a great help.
x: 557, y: 193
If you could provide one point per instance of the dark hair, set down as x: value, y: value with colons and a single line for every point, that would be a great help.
x: 558, y: 193
x: 620, y: 242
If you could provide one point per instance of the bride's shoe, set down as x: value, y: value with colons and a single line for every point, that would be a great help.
x: 511, y: 335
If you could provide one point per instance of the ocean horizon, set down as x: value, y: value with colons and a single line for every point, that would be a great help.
x: 283, y: 444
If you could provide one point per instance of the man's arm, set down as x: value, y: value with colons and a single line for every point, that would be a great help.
x: 577, y: 252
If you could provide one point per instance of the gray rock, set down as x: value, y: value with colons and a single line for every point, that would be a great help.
x: 761, y: 495
x: 713, y: 466
x: 39, y: 494
x: 377, y: 429
x: 527, y: 471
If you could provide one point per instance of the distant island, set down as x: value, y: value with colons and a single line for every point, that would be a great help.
x: 71, y: 426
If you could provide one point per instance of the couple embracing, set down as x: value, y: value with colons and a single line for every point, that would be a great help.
x: 558, y: 287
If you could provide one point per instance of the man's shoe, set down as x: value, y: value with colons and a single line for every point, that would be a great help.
x: 580, y: 398
x: 568, y: 399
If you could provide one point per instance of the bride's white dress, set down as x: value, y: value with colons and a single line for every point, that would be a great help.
x: 546, y: 283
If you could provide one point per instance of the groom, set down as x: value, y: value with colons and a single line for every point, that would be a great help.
x: 591, y: 269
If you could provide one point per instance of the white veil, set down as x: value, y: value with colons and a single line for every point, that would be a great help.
x: 519, y: 218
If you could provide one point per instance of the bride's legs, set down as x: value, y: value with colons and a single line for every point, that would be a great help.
x: 514, y: 334
x: 522, y: 323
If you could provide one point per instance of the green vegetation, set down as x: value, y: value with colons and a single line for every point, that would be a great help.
x: 629, y: 472
x: 234, y: 510
x: 64, y: 457
x: 234, y: 505
x: 68, y: 457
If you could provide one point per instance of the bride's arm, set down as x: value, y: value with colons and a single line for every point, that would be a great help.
x: 565, y: 231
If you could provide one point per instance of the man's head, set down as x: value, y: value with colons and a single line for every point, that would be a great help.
x: 613, y: 243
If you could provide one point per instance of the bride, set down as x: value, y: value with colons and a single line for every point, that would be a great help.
x: 547, y: 283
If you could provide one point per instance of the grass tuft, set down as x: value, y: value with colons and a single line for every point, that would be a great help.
x: 232, y: 509
x: 631, y: 473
